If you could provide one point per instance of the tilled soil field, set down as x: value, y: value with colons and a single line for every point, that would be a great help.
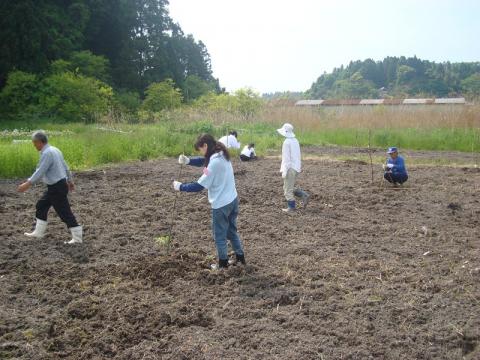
x: 365, y: 272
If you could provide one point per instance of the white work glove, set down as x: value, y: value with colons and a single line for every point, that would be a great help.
x: 183, y: 160
x: 390, y: 166
x: 176, y: 185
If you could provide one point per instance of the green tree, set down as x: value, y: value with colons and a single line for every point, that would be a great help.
x: 19, y: 97
x: 398, y: 76
x: 84, y: 63
x: 127, y: 101
x: 91, y: 65
x: 248, y: 102
x: 471, y: 85
x: 194, y: 87
x: 138, y: 38
x: 405, y: 74
x: 34, y: 33
x: 355, y: 87
x: 73, y: 97
x: 161, y: 96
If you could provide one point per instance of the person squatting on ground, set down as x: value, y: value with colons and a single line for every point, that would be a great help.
x: 395, y: 170
x: 218, y: 179
x: 290, y: 168
x: 231, y: 140
x: 54, y: 172
x: 248, y: 153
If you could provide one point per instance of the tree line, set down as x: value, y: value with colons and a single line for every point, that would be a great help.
x: 67, y: 52
x: 398, y: 77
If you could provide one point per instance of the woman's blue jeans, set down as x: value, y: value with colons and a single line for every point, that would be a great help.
x: 224, y: 227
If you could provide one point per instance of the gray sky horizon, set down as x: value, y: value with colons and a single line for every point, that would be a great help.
x: 280, y: 45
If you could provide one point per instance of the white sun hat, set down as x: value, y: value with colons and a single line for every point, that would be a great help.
x: 286, y: 130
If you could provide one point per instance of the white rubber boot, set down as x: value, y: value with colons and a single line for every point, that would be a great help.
x: 40, y: 230
x: 77, y: 234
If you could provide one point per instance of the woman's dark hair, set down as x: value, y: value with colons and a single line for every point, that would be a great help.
x: 234, y: 133
x: 251, y: 145
x: 213, y: 147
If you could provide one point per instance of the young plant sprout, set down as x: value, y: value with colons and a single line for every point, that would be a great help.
x: 163, y: 241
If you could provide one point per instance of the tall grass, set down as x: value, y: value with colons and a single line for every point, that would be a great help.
x: 86, y: 146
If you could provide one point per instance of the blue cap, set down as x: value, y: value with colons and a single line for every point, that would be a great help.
x: 392, y: 150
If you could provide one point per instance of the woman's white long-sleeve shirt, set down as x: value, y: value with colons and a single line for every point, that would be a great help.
x: 291, y: 156
x: 230, y: 141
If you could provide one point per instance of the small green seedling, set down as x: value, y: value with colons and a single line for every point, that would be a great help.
x: 163, y: 240
x: 210, y: 258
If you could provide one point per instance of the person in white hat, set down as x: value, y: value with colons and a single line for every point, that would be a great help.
x: 290, y: 168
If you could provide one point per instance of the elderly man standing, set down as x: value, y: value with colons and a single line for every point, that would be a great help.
x: 54, y: 172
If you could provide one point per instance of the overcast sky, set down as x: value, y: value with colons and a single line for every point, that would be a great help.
x: 279, y: 45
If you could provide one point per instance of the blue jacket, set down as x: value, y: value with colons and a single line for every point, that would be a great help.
x: 398, y: 166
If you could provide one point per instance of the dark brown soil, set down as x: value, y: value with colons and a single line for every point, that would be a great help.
x: 366, y: 272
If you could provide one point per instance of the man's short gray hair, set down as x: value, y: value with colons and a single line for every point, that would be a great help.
x: 40, y: 136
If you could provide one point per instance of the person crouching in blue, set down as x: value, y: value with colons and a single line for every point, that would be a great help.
x: 219, y: 180
x: 395, y: 170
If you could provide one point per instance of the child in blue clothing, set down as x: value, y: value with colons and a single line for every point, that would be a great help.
x: 395, y: 170
x: 219, y: 180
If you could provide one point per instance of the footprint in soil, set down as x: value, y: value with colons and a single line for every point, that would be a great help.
x: 468, y: 345
x: 454, y: 207
x: 83, y: 308
x: 78, y: 252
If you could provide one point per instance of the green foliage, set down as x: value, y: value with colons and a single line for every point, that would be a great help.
x: 84, y: 63
x: 33, y: 33
x: 71, y: 97
x: 85, y: 146
x: 91, y: 65
x: 19, y: 97
x: 405, y: 74
x: 198, y: 127
x: 61, y: 66
x: 471, y: 85
x: 353, y: 88
x: 162, y: 96
x: 127, y: 101
x: 17, y: 159
x: 248, y: 102
x: 396, y: 76
x: 135, y: 43
x: 244, y: 102
x: 194, y: 87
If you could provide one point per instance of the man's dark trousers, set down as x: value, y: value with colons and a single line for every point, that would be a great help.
x: 56, y: 196
x: 395, y: 178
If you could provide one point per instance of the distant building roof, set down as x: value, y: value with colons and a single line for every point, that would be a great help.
x: 353, y: 102
x: 371, y: 101
x: 309, y: 102
x: 417, y: 101
x: 450, y: 101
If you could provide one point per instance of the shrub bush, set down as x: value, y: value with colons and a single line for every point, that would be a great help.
x: 71, y: 97
x: 162, y: 96
x: 19, y: 96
